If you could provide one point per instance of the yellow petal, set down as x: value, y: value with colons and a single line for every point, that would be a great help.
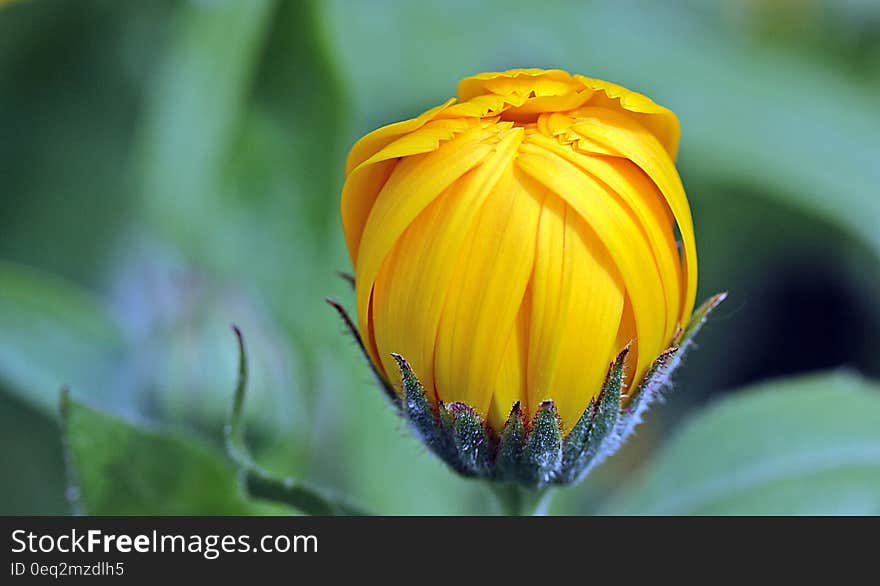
x: 510, y: 384
x: 660, y: 121
x: 358, y: 196
x: 415, y: 183
x: 577, y: 300
x: 646, y: 204
x: 410, y: 290
x: 371, y: 143
x: 619, y: 234
x: 485, y: 296
x: 424, y: 140
x: 622, y: 134
x: 517, y: 81
x: 364, y: 182
x: 626, y: 335
x: 525, y: 93
x: 479, y: 107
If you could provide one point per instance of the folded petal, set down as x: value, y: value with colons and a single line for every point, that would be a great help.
x: 364, y: 181
x: 371, y: 143
x: 660, y: 121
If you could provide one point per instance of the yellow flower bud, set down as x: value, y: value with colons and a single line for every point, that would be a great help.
x: 511, y: 242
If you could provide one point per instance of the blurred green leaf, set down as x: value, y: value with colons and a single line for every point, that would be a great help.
x: 52, y: 333
x: 30, y: 445
x: 70, y: 97
x: 238, y: 159
x: 197, y: 100
x: 122, y: 468
x: 237, y: 138
x: 809, y: 445
x: 794, y: 128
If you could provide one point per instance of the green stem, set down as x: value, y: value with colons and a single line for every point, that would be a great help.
x: 514, y: 500
x: 258, y: 482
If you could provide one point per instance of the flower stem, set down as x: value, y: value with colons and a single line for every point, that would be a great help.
x: 514, y: 500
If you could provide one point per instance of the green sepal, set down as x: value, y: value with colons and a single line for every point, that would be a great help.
x: 604, y: 414
x: 685, y: 338
x: 347, y: 277
x: 575, y: 444
x: 353, y: 331
x: 646, y: 392
x: 658, y: 376
x: 422, y: 416
x: 444, y: 416
x: 511, y: 445
x: 542, y: 456
x: 472, y: 444
x: 699, y: 317
x: 446, y: 424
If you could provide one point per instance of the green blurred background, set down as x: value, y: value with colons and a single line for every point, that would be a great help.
x: 171, y: 167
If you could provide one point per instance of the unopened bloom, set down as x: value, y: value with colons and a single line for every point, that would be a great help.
x: 510, y: 243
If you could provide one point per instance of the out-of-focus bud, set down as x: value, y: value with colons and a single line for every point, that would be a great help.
x: 520, y: 288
